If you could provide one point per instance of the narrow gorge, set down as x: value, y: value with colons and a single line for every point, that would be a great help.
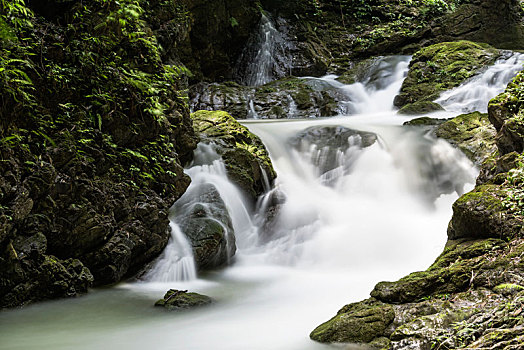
x: 250, y: 167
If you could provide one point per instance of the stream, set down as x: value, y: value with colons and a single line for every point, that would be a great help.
x: 370, y: 205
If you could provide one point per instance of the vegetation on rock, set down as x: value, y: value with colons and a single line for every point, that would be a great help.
x: 441, y: 67
x: 472, y: 294
x: 244, y: 155
x: 93, y: 127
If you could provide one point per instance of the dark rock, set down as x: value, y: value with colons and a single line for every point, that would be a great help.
x: 204, y: 219
x: 176, y: 300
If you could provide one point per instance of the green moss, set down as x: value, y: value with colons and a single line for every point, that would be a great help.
x: 356, y: 323
x: 243, y: 152
x: 420, y: 107
x: 472, y: 133
x: 441, y: 67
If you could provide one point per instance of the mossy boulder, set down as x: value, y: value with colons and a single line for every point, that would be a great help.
x: 470, y: 289
x: 505, y: 113
x: 425, y: 121
x: 356, y: 323
x: 177, y: 300
x: 443, y: 66
x: 482, y: 213
x: 244, y: 155
x: 472, y: 133
x: 420, y: 107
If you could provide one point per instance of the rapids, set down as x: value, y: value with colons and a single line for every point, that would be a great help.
x: 372, y: 205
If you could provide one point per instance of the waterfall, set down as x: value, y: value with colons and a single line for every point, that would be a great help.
x: 264, y: 58
x: 375, y: 90
x: 358, y: 199
x: 176, y: 262
x: 474, y: 95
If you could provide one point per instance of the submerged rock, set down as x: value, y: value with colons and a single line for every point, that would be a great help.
x: 176, y: 300
x: 332, y: 147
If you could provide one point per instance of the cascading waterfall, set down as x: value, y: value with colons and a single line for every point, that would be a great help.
x: 358, y: 199
x: 375, y: 90
x: 264, y: 58
x: 475, y: 94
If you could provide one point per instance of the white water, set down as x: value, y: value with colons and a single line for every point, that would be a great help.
x: 382, y: 212
x: 475, y: 94
x: 264, y: 57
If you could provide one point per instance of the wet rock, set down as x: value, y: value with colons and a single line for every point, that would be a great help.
x: 326, y: 145
x: 504, y: 113
x: 441, y: 67
x: 203, y: 217
x: 420, y: 107
x: 356, y: 323
x: 176, y: 300
x: 245, y: 156
x: 482, y: 213
x: 425, y: 121
x: 472, y: 133
x: 286, y: 98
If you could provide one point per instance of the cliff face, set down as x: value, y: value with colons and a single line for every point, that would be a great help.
x: 93, y: 129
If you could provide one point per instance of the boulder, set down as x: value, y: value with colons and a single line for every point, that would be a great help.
x: 472, y: 133
x: 204, y: 218
x: 245, y: 156
x: 443, y: 66
x: 176, y: 300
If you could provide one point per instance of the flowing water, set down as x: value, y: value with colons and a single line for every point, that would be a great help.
x: 265, y: 57
x: 472, y: 95
x: 358, y: 199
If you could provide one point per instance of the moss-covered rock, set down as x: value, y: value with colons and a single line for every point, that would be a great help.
x: 472, y: 133
x: 441, y: 67
x: 482, y: 213
x: 356, y: 323
x: 425, y: 121
x: 244, y: 155
x: 92, y: 140
x: 176, y: 300
x: 420, y: 107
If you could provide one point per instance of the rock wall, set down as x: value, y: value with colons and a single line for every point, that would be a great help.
x: 93, y: 130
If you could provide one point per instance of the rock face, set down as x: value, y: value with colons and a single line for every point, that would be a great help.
x: 206, y: 36
x: 244, y: 155
x: 176, y: 300
x: 472, y: 133
x: 349, y: 30
x: 438, y: 68
x: 471, y: 296
x: 285, y: 98
x: 91, y: 150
